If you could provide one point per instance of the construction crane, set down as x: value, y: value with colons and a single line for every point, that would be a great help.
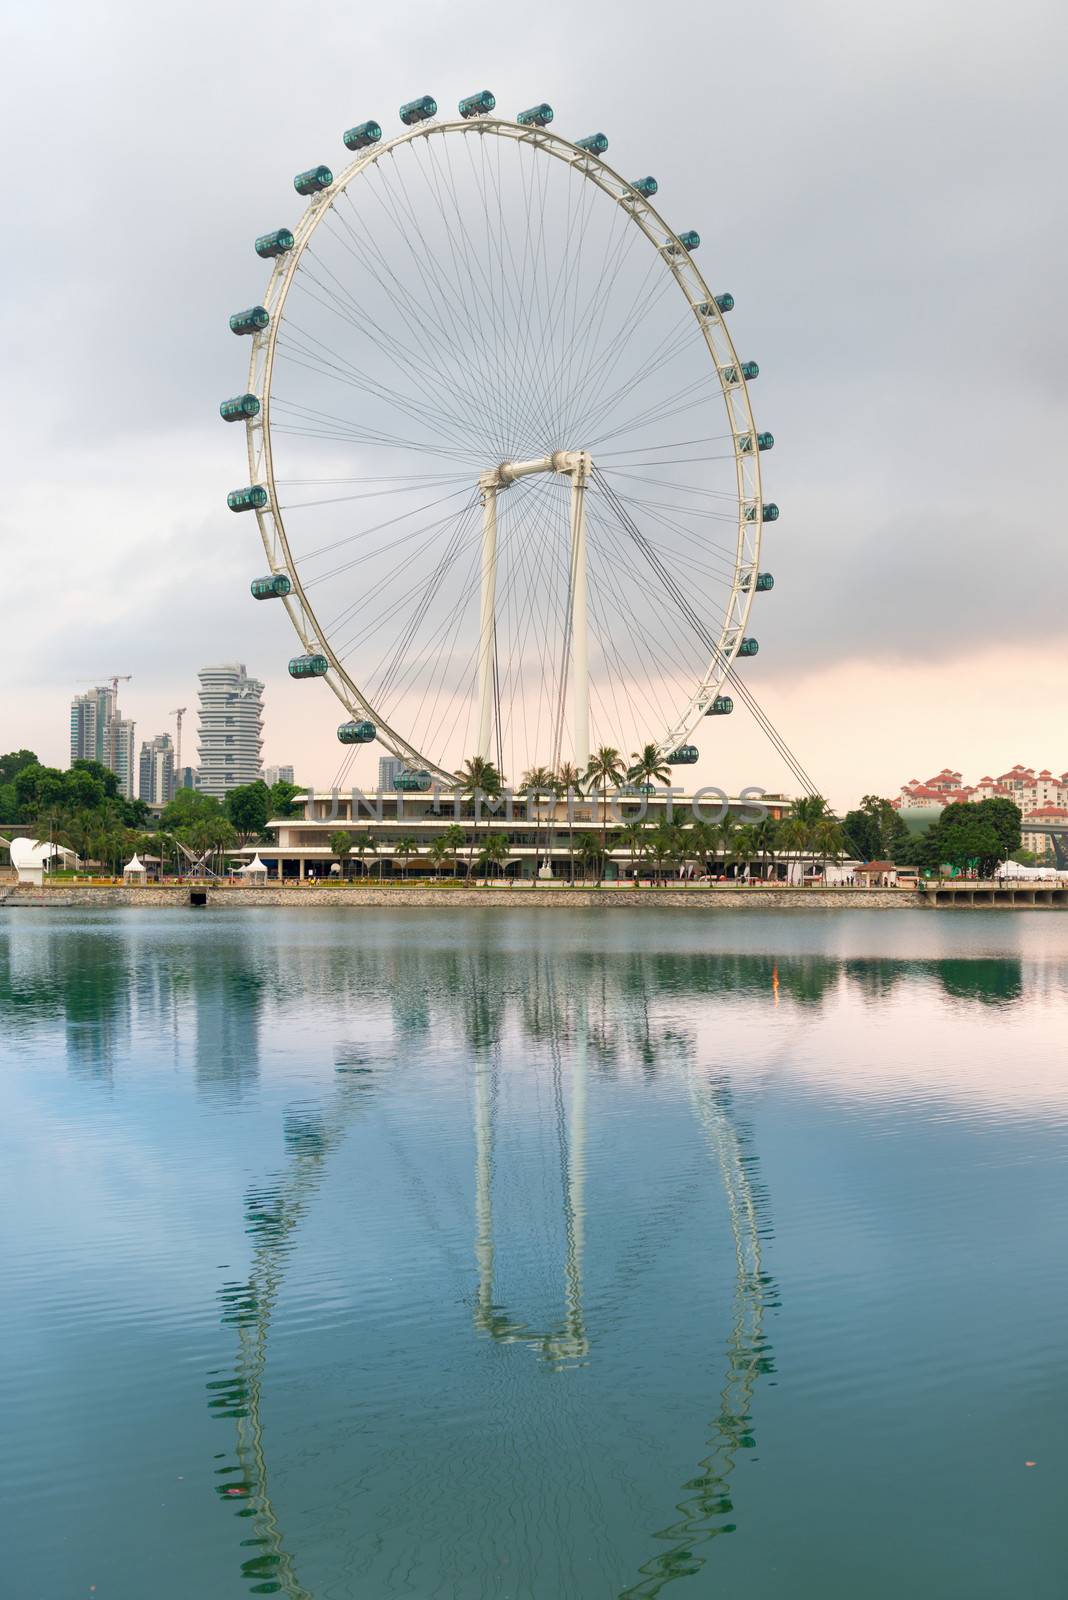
x: 114, y: 679
x: 180, y: 713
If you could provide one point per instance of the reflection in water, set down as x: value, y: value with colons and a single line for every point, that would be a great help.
x: 521, y: 1128
x: 273, y: 1213
x: 566, y: 1342
x: 707, y: 1502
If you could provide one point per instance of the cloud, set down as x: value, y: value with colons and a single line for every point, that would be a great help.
x: 875, y: 185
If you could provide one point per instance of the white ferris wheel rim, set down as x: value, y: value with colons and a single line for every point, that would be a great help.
x: 710, y: 325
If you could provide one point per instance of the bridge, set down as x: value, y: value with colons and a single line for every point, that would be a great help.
x: 1057, y: 832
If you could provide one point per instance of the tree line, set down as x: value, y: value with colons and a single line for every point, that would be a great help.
x: 82, y: 809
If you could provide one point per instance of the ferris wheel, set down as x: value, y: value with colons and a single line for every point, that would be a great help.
x: 501, y: 450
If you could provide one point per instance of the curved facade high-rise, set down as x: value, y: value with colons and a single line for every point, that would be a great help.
x: 230, y: 732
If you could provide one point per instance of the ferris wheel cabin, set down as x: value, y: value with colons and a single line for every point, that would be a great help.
x: 722, y: 706
x: 357, y: 732
x: 275, y: 586
x: 252, y: 498
x: 477, y: 105
x: 310, y: 666
x: 239, y: 408
x: 420, y: 110
x: 254, y: 320
x: 362, y: 136
x: 273, y: 244
x: 314, y: 181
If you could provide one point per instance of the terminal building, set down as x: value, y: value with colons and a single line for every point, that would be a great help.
x: 420, y: 833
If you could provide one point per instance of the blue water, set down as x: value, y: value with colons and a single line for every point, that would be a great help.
x: 535, y: 1254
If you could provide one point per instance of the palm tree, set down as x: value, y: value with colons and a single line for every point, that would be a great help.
x: 537, y: 782
x: 494, y: 852
x: 666, y: 843
x: 648, y: 766
x: 569, y: 778
x: 406, y: 847
x: 725, y: 831
x: 478, y: 777
x: 588, y: 847
x: 701, y: 841
x: 828, y: 841
x: 743, y: 845
x: 633, y: 836
x: 765, y: 838
x: 340, y: 845
x: 363, y: 844
x: 605, y: 767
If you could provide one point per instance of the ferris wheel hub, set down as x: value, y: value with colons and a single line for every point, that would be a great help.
x: 577, y: 463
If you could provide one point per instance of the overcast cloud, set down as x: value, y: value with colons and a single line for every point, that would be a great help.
x: 879, y: 185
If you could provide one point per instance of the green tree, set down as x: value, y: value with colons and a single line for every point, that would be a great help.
x: 538, y: 782
x: 362, y: 845
x: 406, y: 847
x: 1004, y: 817
x: 569, y: 780
x: 648, y: 766
x: 287, y: 799
x: 340, y: 845
x: 14, y: 762
x: 766, y: 840
x: 189, y: 807
x: 588, y: 850
x: 494, y: 852
x: 605, y: 767
x: 861, y: 831
x: 248, y: 808
x: 701, y: 841
x: 666, y: 845
x: 478, y: 779
x: 632, y: 835
x: 967, y: 839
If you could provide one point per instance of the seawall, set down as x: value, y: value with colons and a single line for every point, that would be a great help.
x: 360, y: 896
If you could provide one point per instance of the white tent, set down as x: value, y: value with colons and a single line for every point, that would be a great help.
x: 253, y: 870
x: 29, y: 857
x: 134, y: 870
x: 1019, y: 869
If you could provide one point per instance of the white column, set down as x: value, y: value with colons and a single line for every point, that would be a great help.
x: 486, y: 624
x: 580, y: 686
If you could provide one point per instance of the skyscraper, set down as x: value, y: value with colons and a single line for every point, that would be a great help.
x: 122, y: 754
x: 91, y: 716
x: 388, y: 767
x: 156, y: 775
x: 230, y: 733
x: 273, y: 775
x: 98, y: 733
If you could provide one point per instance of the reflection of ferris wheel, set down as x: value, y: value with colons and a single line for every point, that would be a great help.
x: 501, y: 449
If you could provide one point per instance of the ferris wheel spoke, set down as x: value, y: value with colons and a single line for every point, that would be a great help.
x: 400, y: 667
x: 436, y: 417
x: 328, y: 425
x: 410, y: 307
x: 668, y: 644
x: 370, y: 617
x: 443, y: 304
x: 514, y: 307
x: 362, y: 383
x: 587, y: 356
x: 639, y: 375
x: 414, y: 363
x: 489, y: 308
x: 437, y: 330
x: 629, y: 326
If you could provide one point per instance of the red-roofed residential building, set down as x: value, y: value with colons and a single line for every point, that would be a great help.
x: 1021, y: 785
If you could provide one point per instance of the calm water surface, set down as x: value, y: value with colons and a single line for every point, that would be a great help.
x: 534, y: 1255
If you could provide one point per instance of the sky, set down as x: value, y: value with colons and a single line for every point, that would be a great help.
x: 877, y: 186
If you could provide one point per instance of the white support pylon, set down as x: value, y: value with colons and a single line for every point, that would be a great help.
x: 580, y: 681
x: 577, y: 465
x: 487, y: 620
